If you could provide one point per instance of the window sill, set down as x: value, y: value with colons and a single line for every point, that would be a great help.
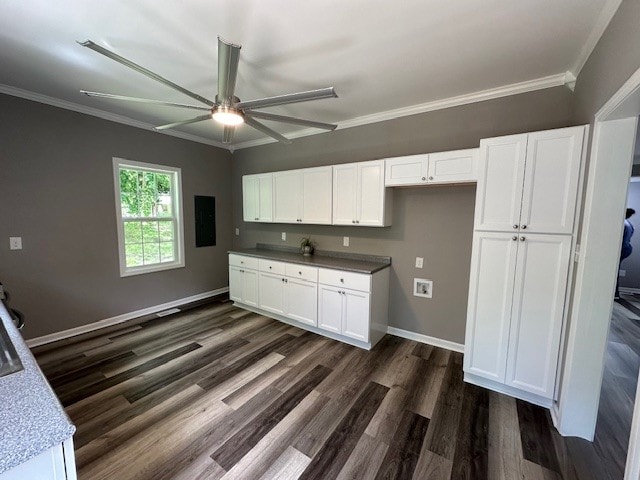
x: 129, y: 272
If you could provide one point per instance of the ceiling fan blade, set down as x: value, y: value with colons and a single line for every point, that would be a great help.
x: 201, y: 118
x: 114, y: 56
x: 289, y: 98
x: 227, y: 135
x: 264, y: 129
x: 294, y: 121
x: 141, y: 100
x: 228, y: 58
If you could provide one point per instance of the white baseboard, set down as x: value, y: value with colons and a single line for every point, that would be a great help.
x: 418, y: 337
x: 107, y: 322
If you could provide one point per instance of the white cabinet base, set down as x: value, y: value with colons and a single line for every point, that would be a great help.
x: 377, y: 331
x: 507, y: 390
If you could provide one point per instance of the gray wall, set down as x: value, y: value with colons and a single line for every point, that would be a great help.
x: 432, y: 222
x: 631, y: 265
x: 57, y: 193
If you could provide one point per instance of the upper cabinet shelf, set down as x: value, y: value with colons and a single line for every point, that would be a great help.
x: 459, y: 166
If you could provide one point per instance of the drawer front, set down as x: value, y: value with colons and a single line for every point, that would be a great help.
x: 272, y: 266
x: 302, y: 271
x: 243, y: 261
x: 339, y: 278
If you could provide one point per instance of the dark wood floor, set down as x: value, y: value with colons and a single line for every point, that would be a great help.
x: 619, y: 382
x: 218, y: 392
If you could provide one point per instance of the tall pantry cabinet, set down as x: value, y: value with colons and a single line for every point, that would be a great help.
x: 523, y: 234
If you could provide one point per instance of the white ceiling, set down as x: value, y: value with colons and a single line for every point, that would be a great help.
x: 380, y: 56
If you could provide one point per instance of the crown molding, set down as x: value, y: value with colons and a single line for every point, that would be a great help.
x: 513, y: 89
x: 608, y: 11
x: 480, y: 96
x: 113, y: 117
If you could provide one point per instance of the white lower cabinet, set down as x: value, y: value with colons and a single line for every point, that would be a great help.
x: 243, y: 280
x: 56, y: 463
x: 348, y: 306
x: 515, y: 311
x: 344, y: 311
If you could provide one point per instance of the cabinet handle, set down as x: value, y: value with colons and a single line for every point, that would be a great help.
x: 515, y: 226
x: 522, y: 239
x: 514, y: 238
x: 523, y: 227
x: 430, y: 178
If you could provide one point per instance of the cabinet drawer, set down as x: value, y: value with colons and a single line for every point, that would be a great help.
x: 242, y: 261
x: 302, y: 271
x: 339, y: 278
x: 272, y: 266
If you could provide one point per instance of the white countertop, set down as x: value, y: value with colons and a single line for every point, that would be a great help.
x: 31, y: 417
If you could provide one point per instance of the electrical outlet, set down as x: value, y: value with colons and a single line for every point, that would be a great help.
x: 284, y: 236
x: 422, y: 288
x: 419, y: 262
x: 15, y: 243
x: 345, y: 241
x: 237, y: 232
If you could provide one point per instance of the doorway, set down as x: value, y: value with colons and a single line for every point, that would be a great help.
x: 612, y: 149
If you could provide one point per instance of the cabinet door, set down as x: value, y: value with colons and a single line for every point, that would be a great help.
x: 345, y: 185
x: 330, y: 308
x: 453, y: 167
x: 551, y: 180
x: 272, y: 293
x: 355, y: 323
x: 47, y: 465
x: 537, y: 314
x: 235, y: 284
x: 493, y: 262
x: 317, y: 186
x: 265, y: 197
x: 371, y: 193
x: 250, y: 287
x: 287, y: 194
x: 411, y: 170
x: 250, y: 198
x: 302, y: 301
x: 500, y: 183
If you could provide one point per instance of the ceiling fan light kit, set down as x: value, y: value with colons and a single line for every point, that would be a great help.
x: 227, y: 109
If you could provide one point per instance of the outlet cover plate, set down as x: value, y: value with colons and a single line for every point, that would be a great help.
x: 422, y: 288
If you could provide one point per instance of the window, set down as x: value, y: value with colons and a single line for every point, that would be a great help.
x: 149, y: 213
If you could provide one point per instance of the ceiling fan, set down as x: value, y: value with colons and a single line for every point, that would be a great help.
x: 227, y: 108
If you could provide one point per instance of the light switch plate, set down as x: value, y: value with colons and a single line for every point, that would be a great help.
x: 237, y: 232
x: 419, y: 262
x: 345, y: 241
x: 284, y: 236
x: 15, y: 243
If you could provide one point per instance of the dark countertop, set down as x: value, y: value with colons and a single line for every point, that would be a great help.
x: 351, y: 262
x: 31, y: 418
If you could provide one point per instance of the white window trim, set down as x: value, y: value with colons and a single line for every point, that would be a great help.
x: 179, y: 262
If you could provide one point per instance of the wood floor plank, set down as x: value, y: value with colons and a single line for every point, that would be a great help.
x: 289, y: 466
x: 535, y: 434
x: 432, y: 467
x: 243, y: 441
x: 443, y: 428
x: 365, y: 460
x: 326, y: 465
x: 505, y: 447
x: 471, y: 454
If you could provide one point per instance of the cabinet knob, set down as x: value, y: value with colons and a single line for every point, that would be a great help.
x: 514, y: 238
x: 353, y: 221
x: 270, y: 268
x: 299, y: 273
x: 256, y: 218
x: 523, y: 227
x: 342, y: 280
x: 430, y: 178
x: 357, y: 221
x: 424, y: 178
x: 515, y: 226
x: 522, y: 239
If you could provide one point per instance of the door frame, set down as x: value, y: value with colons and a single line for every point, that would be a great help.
x: 601, y: 233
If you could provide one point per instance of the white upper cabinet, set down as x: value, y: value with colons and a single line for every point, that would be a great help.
x: 359, y: 195
x: 287, y: 196
x: 459, y: 166
x: 529, y: 182
x: 303, y: 196
x: 411, y: 170
x: 257, y: 197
